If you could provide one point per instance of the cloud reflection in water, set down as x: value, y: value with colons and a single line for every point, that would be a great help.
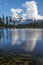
x: 30, y: 36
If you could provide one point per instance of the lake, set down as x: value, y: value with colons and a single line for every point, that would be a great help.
x: 27, y: 39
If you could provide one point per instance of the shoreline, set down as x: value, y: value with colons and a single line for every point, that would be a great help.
x: 18, y: 26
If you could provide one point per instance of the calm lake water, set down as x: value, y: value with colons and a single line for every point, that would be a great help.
x: 29, y: 40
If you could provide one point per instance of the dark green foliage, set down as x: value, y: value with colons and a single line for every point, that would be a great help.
x: 33, y: 24
x: 3, y: 19
x: 0, y: 20
x: 10, y: 18
x: 6, y: 19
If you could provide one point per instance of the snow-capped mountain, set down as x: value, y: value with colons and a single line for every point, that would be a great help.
x: 22, y: 21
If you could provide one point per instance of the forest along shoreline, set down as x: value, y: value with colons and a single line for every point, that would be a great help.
x: 9, y: 23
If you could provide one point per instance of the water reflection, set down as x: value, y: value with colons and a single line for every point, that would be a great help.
x: 19, y: 36
x: 30, y: 36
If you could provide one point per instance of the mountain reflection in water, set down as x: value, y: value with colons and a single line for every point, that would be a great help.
x: 26, y: 39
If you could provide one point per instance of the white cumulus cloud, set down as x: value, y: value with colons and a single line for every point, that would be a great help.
x: 24, y: 16
x: 15, y: 12
x: 32, y: 10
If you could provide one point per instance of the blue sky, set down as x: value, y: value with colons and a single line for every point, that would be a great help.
x: 6, y: 5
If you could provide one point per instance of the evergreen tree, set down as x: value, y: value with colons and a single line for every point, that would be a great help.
x: 2, y: 18
x: 6, y: 19
x: 10, y: 18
